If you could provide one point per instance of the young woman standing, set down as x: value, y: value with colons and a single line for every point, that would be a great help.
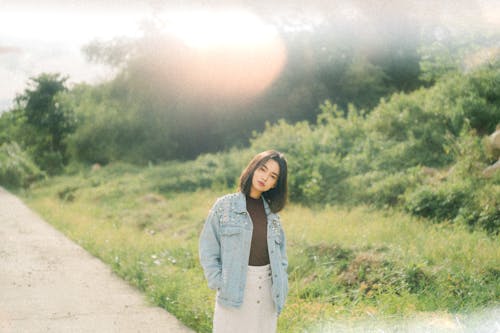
x: 243, y: 250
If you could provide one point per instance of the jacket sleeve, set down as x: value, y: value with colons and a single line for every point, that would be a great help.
x: 284, y: 257
x: 284, y: 264
x: 210, y: 251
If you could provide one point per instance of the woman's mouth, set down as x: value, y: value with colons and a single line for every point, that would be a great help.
x: 261, y: 183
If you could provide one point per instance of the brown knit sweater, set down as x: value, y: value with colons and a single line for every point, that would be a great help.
x: 259, y: 255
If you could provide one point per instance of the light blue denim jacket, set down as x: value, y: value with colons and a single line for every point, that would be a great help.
x: 224, y: 250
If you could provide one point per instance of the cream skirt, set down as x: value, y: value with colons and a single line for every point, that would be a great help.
x: 257, y: 314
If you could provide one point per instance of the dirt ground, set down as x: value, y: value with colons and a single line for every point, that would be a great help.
x: 50, y: 284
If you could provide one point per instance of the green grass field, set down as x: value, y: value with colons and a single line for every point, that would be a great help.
x: 345, y: 264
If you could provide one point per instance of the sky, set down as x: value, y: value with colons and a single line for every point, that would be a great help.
x: 47, y: 36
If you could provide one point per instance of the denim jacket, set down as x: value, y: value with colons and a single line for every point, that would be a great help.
x: 224, y: 250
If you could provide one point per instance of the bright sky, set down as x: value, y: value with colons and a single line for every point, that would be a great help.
x: 36, y: 39
x: 202, y: 29
x: 46, y: 36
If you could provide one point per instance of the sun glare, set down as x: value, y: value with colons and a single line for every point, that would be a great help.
x: 206, y: 29
x: 229, y: 54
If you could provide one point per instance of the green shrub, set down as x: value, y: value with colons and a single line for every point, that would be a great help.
x: 489, y: 219
x: 416, y: 279
x: 484, y: 211
x: 16, y: 167
x: 390, y: 190
x: 358, y: 186
x: 51, y: 161
x: 405, y: 132
x: 438, y: 203
x: 207, y: 171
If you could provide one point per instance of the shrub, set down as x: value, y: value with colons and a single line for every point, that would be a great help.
x: 389, y: 190
x: 207, y: 171
x: 51, y: 161
x: 438, y: 203
x: 416, y: 279
x: 489, y: 219
x: 16, y: 167
x: 484, y: 212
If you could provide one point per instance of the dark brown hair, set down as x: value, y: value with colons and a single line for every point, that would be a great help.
x: 277, y: 196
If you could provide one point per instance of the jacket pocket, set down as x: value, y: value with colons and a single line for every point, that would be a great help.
x: 231, y: 240
x: 231, y: 231
x: 231, y: 247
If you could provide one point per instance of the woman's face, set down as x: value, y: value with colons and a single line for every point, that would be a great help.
x: 264, y: 178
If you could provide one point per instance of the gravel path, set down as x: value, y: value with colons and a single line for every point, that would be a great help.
x: 50, y: 284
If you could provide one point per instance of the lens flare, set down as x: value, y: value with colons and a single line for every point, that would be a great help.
x: 229, y: 55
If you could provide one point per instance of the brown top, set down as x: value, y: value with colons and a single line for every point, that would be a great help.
x: 259, y: 255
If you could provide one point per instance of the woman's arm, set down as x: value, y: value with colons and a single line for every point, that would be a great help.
x: 284, y: 257
x: 210, y: 252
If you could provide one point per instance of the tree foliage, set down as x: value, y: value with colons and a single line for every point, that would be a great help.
x: 165, y: 120
x: 421, y: 151
x: 44, y: 122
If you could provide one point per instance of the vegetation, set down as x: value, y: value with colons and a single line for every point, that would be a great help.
x: 16, y: 167
x: 421, y: 151
x: 142, y: 115
x: 345, y: 263
x: 44, y: 122
x: 390, y: 215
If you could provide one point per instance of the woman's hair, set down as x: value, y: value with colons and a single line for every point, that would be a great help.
x: 277, y: 196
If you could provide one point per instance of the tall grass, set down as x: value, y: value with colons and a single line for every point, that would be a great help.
x: 344, y: 263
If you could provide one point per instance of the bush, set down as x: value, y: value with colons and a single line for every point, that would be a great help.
x: 416, y: 279
x: 16, y: 167
x: 51, y: 161
x: 484, y: 212
x: 489, y: 219
x: 438, y: 203
x: 207, y: 171
x: 381, y: 188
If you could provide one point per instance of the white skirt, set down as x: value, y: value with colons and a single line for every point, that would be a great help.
x: 257, y: 314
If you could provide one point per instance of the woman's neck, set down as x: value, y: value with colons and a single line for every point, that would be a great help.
x: 255, y: 194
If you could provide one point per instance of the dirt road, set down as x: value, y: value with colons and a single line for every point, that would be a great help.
x: 50, y: 284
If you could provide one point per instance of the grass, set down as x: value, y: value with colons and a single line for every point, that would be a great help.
x: 345, y: 264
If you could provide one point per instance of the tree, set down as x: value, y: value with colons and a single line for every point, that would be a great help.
x: 47, y: 121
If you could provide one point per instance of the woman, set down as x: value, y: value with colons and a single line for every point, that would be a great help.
x: 242, y: 249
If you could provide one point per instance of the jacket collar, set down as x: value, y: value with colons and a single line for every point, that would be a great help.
x: 240, y: 206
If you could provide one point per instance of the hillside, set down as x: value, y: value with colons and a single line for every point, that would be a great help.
x: 346, y: 264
